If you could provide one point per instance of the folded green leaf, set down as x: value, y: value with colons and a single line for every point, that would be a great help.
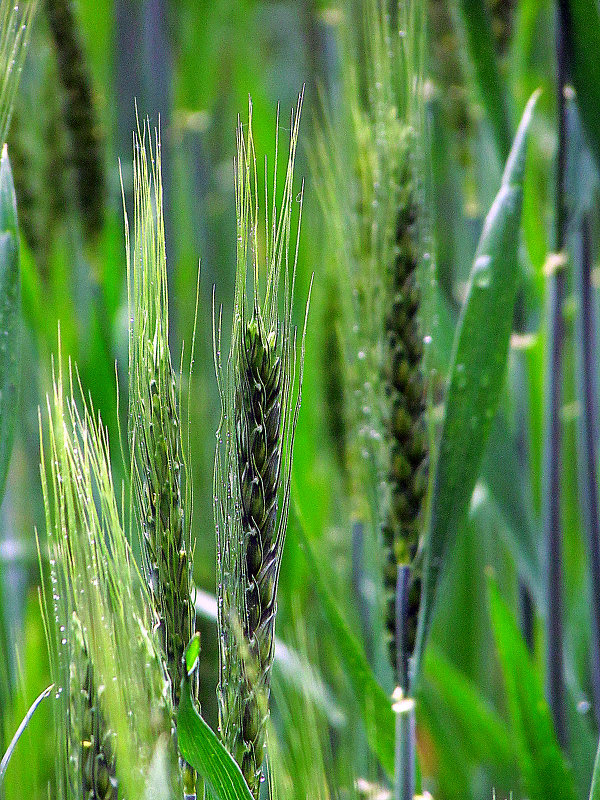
x: 201, y: 748
x: 543, y: 769
x: 10, y: 304
x: 476, y: 374
x: 375, y: 705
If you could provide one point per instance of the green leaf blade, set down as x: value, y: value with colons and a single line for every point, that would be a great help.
x: 10, y: 309
x: 201, y: 748
x: 477, y: 371
x: 582, y: 30
x: 491, y: 88
x: 595, y: 787
x: 543, y: 769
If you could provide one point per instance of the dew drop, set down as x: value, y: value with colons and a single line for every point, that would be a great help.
x: 481, y: 271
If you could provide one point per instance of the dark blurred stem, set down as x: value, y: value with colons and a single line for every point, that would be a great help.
x: 552, y: 449
x: 587, y: 452
x: 404, y: 766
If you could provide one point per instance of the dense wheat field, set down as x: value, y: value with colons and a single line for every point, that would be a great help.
x: 299, y: 400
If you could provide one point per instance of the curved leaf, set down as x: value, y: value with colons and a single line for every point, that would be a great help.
x: 476, y: 374
x: 7, y: 756
x: 481, y: 732
x: 201, y: 748
x: 10, y: 300
x: 543, y: 768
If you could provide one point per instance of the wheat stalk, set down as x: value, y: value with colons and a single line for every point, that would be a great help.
x: 253, y: 465
x: 155, y: 432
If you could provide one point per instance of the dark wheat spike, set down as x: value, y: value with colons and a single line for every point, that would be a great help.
x: 80, y: 114
x: 258, y: 427
x: 260, y: 395
x: 406, y: 427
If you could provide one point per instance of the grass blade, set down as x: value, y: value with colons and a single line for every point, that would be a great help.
x: 595, y: 787
x: 476, y: 374
x: 10, y: 304
x: 544, y: 771
x: 482, y: 733
x: 7, y: 756
x: 201, y: 748
x: 375, y: 705
x: 491, y: 91
x: 581, y: 21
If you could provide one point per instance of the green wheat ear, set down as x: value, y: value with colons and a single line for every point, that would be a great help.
x: 369, y: 192
x: 159, y: 464
x: 113, y: 708
x: 15, y: 27
x: 254, y: 453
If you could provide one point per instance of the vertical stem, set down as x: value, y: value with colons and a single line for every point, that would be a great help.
x: 552, y: 462
x: 587, y: 450
x: 358, y: 585
x: 527, y: 615
x: 404, y: 764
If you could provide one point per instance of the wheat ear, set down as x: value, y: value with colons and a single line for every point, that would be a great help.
x: 114, y: 704
x: 406, y: 425
x: 155, y: 432
x: 252, y: 475
x: 80, y: 113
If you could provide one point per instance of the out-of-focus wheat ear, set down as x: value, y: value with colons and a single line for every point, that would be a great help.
x: 80, y: 114
x: 155, y: 431
x: 406, y: 424
x: 260, y: 402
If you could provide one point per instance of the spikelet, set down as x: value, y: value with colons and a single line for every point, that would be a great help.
x: 253, y: 464
x: 155, y: 432
x: 15, y: 27
x: 114, y: 707
x: 80, y: 114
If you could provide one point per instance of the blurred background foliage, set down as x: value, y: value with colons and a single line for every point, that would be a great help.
x: 192, y: 65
